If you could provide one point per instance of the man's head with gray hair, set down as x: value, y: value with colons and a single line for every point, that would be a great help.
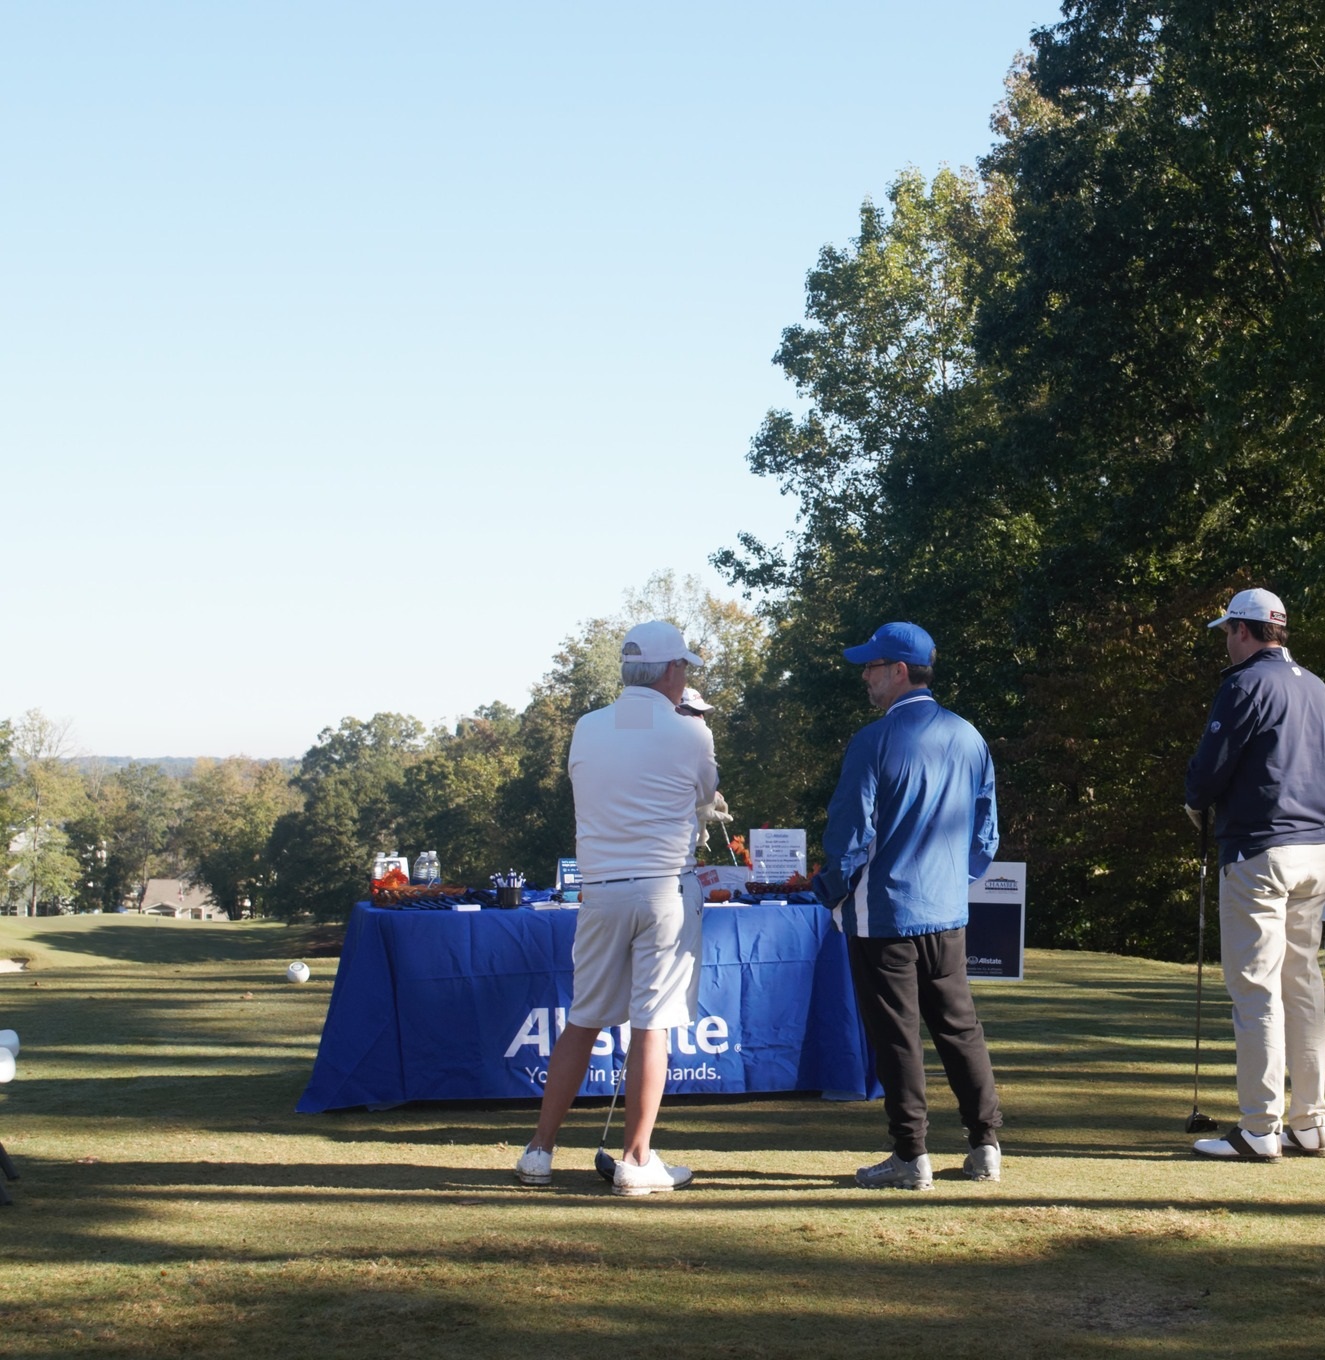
x: 649, y: 649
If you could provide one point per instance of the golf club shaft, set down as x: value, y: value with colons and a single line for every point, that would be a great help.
x: 727, y: 838
x: 616, y: 1091
x: 1200, y: 950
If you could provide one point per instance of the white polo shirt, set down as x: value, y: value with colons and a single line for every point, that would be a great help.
x: 639, y: 770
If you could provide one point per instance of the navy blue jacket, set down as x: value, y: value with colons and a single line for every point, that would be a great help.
x: 912, y: 823
x: 1261, y: 760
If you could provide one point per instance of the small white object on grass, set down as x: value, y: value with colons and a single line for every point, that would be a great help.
x: 297, y: 972
x: 7, y: 1066
x: 9, y: 1040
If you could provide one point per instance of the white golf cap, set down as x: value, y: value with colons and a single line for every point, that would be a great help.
x: 692, y: 699
x: 1257, y: 604
x: 657, y: 640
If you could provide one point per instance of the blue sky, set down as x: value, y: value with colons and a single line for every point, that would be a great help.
x: 352, y: 355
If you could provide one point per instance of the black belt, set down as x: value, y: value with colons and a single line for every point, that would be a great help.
x: 635, y: 878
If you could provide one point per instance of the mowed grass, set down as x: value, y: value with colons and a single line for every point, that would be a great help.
x: 172, y: 1204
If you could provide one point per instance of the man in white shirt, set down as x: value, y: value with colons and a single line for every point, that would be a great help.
x: 639, y: 770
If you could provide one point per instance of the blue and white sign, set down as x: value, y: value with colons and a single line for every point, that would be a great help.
x: 996, y: 933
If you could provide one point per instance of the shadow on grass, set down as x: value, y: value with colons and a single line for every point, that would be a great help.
x: 485, y: 1298
x: 98, y: 1192
x: 560, y: 1273
x: 170, y: 942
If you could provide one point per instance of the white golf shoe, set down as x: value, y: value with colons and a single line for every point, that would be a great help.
x: 1237, y: 1145
x: 1303, y: 1142
x: 984, y: 1163
x: 651, y: 1178
x: 534, y: 1167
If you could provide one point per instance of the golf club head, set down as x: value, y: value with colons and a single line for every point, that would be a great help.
x: 1200, y: 1123
x: 605, y: 1165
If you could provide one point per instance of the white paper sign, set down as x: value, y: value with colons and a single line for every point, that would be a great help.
x: 776, y: 853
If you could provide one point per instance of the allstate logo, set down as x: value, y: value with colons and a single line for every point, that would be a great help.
x: 543, y: 1025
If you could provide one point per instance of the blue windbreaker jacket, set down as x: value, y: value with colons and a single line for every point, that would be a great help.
x: 912, y: 823
x: 1261, y: 759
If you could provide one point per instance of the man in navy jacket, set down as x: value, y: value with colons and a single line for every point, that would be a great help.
x: 912, y: 823
x: 1261, y: 763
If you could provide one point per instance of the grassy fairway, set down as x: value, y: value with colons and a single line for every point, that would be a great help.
x: 172, y: 1204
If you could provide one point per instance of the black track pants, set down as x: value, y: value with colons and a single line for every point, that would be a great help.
x: 898, y: 983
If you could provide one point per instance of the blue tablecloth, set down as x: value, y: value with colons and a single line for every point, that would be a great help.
x: 466, y: 1006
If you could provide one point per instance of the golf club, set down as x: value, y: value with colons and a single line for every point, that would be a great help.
x: 727, y: 838
x: 604, y: 1162
x: 1196, y: 1121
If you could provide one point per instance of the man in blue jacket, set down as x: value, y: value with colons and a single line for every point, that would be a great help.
x: 912, y: 823
x: 1261, y: 763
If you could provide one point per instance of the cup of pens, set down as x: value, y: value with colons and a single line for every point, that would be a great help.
x: 510, y: 888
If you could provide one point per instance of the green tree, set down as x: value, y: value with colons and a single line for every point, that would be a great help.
x: 352, y: 784
x: 452, y: 795
x: 1166, y: 190
x: 9, y: 805
x: 126, y: 833
x: 46, y: 793
x: 230, y: 809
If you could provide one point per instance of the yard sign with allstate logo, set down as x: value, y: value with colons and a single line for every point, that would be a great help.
x: 996, y: 935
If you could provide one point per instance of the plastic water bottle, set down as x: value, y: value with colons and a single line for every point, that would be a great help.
x: 379, y: 865
x: 427, y: 869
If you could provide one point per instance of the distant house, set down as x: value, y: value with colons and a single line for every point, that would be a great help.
x: 173, y: 897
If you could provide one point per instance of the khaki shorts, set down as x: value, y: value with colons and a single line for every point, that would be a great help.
x: 637, y: 953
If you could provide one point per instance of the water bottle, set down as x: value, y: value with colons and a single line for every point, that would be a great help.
x: 427, y: 869
x: 379, y: 865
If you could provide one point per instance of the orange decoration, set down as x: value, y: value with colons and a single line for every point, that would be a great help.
x: 719, y: 895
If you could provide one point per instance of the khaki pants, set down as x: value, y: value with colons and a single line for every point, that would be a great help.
x: 1269, y: 922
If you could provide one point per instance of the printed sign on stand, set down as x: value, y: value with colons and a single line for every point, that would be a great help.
x: 729, y: 877
x: 777, y: 854
x: 996, y: 934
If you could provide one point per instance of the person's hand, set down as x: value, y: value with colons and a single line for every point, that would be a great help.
x: 1197, y: 818
x: 720, y: 812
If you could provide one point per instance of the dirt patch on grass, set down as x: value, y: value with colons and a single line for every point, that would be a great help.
x: 529, y: 1250
x: 1139, y: 1310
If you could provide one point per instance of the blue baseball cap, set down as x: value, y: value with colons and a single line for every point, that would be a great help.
x: 895, y: 642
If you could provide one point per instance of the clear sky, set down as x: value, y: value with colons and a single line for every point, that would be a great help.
x: 353, y: 354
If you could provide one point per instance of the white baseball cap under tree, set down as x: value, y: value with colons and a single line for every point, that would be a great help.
x: 1261, y: 605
